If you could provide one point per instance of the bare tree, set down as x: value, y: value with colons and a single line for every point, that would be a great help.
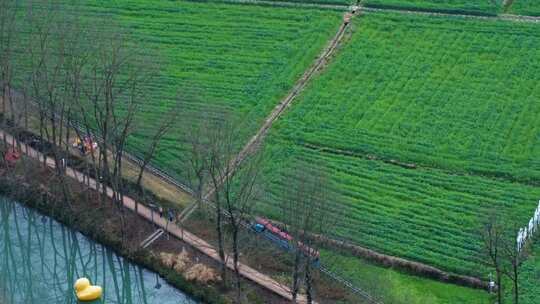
x: 493, y: 238
x: 240, y: 193
x: 235, y: 190
x: 219, y: 166
x: 306, y: 214
x: 113, y: 93
x: 151, y: 146
x: 198, y: 148
x: 512, y: 259
x: 500, y: 246
x: 8, y: 32
x: 50, y: 48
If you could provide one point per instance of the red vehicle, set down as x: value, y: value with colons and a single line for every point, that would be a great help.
x: 12, y: 156
x: 282, y: 238
x: 309, y: 251
x: 85, y: 145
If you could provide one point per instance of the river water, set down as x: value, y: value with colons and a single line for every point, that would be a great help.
x: 40, y: 259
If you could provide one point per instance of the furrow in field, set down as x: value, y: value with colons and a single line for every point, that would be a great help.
x: 423, y: 124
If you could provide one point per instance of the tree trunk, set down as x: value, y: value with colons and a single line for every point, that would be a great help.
x: 221, y: 250
x: 309, y: 282
x: 140, y: 176
x: 516, y: 282
x: 499, y: 286
x: 296, y: 276
x: 236, y: 261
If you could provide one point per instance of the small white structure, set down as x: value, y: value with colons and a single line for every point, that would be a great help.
x: 526, y: 232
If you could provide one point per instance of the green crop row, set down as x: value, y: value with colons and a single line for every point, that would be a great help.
x: 460, y: 95
x: 476, y: 7
x: 238, y: 59
x: 425, y: 215
x: 457, y: 98
x: 526, y: 7
x: 324, y: 2
x: 218, y: 58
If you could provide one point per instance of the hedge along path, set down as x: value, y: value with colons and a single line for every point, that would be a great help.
x: 172, y: 228
x: 254, y: 143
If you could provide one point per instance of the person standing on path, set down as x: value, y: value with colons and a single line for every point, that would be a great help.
x: 170, y: 214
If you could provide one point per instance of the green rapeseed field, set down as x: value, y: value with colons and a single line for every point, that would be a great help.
x: 423, y: 124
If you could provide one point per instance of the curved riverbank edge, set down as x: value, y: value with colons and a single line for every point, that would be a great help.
x: 41, y: 200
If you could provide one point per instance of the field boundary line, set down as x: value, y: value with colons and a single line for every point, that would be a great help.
x: 326, y: 6
x: 172, y: 228
x: 368, y: 8
x: 503, y: 17
x: 252, y: 145
x: 521, y: 18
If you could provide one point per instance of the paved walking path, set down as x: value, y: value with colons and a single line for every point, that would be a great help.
x: 182, y: 234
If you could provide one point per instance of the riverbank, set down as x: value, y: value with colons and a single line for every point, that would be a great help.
x: 278, y: 265
x: 35, y: 186
x: 40, y: 259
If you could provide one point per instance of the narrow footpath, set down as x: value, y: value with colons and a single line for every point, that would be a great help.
x: 254, y: 143
x: 178, y: 232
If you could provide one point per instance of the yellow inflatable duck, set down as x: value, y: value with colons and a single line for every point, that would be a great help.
x: 86, y: 292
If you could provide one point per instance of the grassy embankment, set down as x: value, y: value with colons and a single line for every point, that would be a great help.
x: 396, y: 287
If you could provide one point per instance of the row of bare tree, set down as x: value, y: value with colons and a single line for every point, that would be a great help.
x: 503, y: 256
x: 58, y: 70
x: 231, y: 194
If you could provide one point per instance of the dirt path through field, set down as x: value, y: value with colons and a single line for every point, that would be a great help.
x: 300, y: 85
x: 253, y: 144
x: 175, y: 230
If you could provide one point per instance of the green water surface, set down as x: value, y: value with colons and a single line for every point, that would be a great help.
x: 40, y: 259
